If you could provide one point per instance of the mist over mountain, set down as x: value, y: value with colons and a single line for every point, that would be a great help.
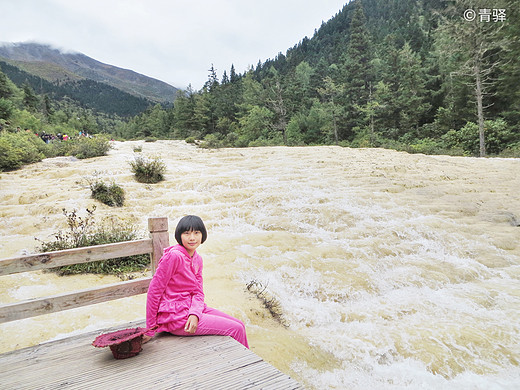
x: 59, y: 66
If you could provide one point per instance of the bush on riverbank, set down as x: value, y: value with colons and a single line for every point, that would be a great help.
x: 83, y: 231
x: 111, y: 195
x: 18, y: 149
x: 86, y: 147
x: 148, y: 170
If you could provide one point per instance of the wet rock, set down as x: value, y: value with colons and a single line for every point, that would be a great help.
x: 513, y: 219
x: 510, y: 218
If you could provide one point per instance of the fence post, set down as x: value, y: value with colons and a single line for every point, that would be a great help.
x: 158, y: 228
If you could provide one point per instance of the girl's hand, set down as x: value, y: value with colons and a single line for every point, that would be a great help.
x: 146, y: 338
x: 191, y: 324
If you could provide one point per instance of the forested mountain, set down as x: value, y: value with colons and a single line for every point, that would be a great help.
x: 46, y: 91
x: 91, y: 94
x: 57, y: 66
x: 73, y: 107
x: 419, y: 75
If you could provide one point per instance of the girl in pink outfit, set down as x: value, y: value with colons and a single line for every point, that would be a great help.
x: 175, y: 300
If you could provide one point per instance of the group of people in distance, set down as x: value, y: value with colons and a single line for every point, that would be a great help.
x: 46, y: 137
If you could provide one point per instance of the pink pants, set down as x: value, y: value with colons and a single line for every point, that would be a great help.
x: 214, y: 322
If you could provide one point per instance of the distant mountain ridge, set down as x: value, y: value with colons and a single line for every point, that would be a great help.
x: 55, y: 65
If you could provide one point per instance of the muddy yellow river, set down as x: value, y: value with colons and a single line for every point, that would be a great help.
x: 391, y: 270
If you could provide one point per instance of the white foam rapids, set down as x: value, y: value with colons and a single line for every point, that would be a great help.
x: 390, y: 270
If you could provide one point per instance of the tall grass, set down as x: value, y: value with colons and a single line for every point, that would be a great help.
x: 84, y: 231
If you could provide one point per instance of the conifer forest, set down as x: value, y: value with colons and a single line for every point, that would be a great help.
x: 434, y: 77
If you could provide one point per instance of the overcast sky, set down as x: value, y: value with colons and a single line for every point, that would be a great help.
x: 175, y: 41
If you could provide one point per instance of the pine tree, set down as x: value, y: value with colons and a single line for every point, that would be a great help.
x: 212, y: 82
x: 329, y: 94
x: 477, y: 43
x: 30, y: 99
x: 253, y: 117
x: 225, y: 78
x: 47, y: 106
x: 233, y: 77
x: 5, y: 87
x: 184, y: 114
x: 411, y: 91
x: 203, y: 114
x: 301, y: 91
x: 357, y: 69
x: 507, y: 100
x: 276, y: 102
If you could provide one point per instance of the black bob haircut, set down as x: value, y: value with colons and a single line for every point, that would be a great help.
x: 190, y: 223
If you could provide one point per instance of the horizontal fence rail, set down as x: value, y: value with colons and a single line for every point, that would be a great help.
x: 159, y: 240
x: 55, y: 303
x: 74, y: 256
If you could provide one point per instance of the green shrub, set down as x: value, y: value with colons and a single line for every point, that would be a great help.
x: 212, y: 141
x: 55, y: 149
x: 511, y: 151
x: 362, y: 139
x: 84, y: 232
x: 150, y: 139
x: 111, y: 195
x: 148, y: 170
x: 20, y: 148
x: 432, y: 147
x: 277, y: 140
x: 425, y: 146
x: 86, y: 147
x: 10, y: 157
x: 138, y: 149
x: 25, y: 120
x: 6, y: 108
x: 498, y: 135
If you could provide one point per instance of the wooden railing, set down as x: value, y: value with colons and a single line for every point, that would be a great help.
x: 154, y: 245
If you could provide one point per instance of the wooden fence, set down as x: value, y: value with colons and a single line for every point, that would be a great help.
x: 154, y: 245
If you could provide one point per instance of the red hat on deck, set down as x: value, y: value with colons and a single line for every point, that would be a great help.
x: 123, y: 343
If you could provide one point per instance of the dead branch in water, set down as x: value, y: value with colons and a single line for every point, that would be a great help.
x: 270, y: 302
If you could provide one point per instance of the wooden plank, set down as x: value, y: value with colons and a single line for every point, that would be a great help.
x: 35, y: 307
x: 166, y: 362
x: 158, y: 228
x: 74, y: 256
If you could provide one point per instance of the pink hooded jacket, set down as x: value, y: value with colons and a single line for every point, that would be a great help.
x: 175, y: 291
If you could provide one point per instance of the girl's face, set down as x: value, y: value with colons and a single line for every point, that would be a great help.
x: 191, y: 240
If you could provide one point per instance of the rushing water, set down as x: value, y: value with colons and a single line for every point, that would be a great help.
x: 390, y: 270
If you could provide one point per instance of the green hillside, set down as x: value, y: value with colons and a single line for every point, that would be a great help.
x: 54, y: 64
x: 97, y: 96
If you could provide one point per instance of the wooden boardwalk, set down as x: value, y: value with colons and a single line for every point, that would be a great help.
x: 166, y: 362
